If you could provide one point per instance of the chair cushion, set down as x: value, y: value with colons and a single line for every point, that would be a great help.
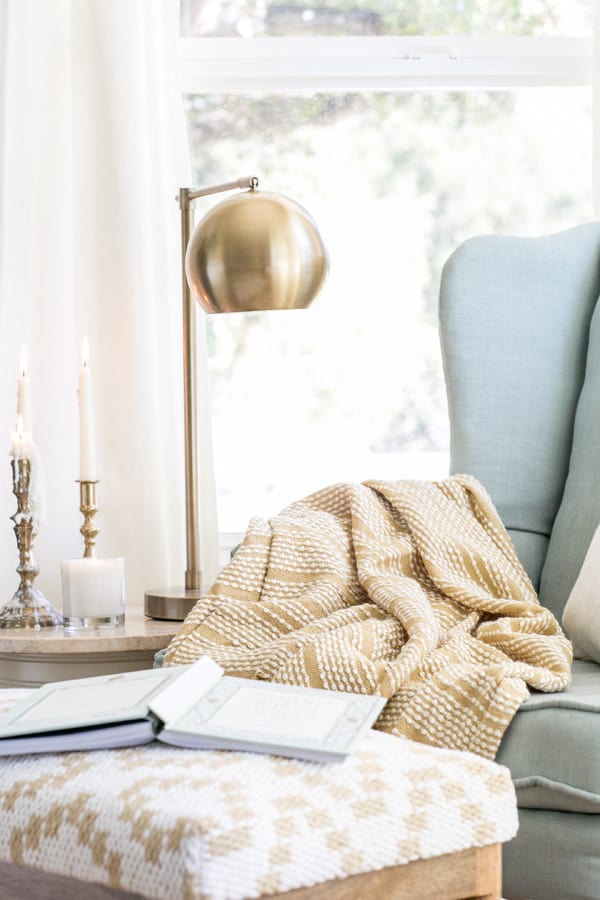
x: 552, y: 746
x: 514, y: 321
x: 554, y: 857
x: 579, y: 512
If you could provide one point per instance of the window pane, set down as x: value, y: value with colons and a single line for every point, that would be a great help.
x: 249, y: 18
x: 352, y: 388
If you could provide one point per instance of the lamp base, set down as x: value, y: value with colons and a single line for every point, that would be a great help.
x: 173, y: 603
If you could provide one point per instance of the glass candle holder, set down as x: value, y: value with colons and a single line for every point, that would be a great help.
x: 93, y: 593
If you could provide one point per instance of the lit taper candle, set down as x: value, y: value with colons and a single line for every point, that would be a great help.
x: 24, y: 392
x: 87, y: 446
x: 20, y: 441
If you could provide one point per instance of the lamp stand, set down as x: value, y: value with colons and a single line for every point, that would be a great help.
x: 176, y: 602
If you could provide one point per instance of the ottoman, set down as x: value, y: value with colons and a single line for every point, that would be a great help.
x: 394, y: 820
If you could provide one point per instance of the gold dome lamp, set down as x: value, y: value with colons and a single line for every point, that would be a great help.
x: 254, y: 251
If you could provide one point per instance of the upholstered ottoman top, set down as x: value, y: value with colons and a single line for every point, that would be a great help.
x: 219, y: 825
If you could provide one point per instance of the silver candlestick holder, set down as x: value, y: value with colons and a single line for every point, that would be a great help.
x: 28, y: 608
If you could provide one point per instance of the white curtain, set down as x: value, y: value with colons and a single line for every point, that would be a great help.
x: 92, y: 153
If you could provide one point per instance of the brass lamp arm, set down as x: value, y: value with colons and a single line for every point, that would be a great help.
x: 187, y: 195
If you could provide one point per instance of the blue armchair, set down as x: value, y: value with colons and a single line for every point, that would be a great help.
x: 520, y: 332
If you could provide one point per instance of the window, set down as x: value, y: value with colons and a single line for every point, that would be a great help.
x: 401, y: 146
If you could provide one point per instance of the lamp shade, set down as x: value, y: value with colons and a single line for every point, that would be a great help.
x: 255, y: 251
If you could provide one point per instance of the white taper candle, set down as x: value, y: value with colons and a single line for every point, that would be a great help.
x: 24, y: 392
x: 87, y: 445
x: 20, y: 441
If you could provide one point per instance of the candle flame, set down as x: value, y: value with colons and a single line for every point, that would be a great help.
x: 85, y: 352
x: 20, y: 426
x: 23, y: 361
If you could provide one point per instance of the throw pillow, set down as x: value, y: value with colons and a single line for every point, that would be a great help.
x: 581, y: 617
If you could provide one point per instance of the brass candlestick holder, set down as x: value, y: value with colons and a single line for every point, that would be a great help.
x: 28, y: 607
x: 93, y: 589
x: 88, y: 507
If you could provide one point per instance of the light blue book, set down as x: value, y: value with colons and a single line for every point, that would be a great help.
x: 195, y: 706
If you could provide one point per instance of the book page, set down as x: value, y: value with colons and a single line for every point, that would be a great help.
x: 267, y: 717
x: 178, y: 697
x: 293, y: 715
x: 102, y: 737
x: 84, y: 702
x: 73, y: 700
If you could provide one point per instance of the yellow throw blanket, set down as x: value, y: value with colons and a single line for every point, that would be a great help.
x: 408, y: 589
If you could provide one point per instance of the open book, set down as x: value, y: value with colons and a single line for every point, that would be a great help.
x: 189, y: 706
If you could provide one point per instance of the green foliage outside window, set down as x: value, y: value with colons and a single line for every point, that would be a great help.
x: 376, y: 17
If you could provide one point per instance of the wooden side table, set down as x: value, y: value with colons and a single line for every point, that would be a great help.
x: 30, y: 657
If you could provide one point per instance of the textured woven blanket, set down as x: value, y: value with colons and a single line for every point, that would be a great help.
x: 408, y: 589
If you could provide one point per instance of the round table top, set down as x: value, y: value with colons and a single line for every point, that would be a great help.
x: 138, y: 633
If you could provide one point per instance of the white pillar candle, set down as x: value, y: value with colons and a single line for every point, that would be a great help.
x: 20, y: 441
x: 24, y: 392
x: 87, y: 445
x: 93, y: 588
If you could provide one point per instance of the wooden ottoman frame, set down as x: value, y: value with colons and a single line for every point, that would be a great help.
x: 474, y: 874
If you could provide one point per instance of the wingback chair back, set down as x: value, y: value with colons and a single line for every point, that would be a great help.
x: 520, y: 334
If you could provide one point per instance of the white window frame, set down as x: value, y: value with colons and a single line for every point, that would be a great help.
x: 239, y: 65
